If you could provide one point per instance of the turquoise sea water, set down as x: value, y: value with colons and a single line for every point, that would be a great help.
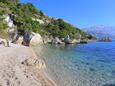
x: 91, y: 64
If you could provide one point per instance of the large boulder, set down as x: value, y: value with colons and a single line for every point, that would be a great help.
x: 67, y: 40
x: 74, y: 41
x: 4, y: 42
x: 36, y: 39
x: 27, y: 37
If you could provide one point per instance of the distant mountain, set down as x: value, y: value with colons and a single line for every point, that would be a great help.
x: 101, y: 31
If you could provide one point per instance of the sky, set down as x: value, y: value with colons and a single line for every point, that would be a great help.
x: 80, y: 13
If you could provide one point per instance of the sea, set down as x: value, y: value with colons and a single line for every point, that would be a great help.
x: 91, y: 64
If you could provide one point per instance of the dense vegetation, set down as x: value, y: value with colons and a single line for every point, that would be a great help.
x: 25, y: 17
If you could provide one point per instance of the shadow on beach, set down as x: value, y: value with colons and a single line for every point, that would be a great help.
x: 109, y: 85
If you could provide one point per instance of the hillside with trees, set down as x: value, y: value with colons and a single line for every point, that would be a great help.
x: 26, y: 17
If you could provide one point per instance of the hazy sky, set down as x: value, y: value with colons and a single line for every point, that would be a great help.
x: 80, y: 13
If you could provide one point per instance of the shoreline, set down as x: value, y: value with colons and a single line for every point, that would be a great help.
x: 20, y: 66
x: 42, y: 72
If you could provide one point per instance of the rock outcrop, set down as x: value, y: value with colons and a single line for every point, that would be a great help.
x: 56, y: 40
x: 12, y: 32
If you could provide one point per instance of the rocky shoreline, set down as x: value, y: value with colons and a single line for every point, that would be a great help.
x: 20, y: 66
x: 27, y: 37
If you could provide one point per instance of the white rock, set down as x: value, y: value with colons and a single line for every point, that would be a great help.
x: 36, y: 39
x: 10, y: 24
x: 3, y: 41
x: 39, y: 20
x: 8, y: 20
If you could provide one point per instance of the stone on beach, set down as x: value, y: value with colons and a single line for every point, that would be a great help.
x: 4, y: 42
x: 36, y: 39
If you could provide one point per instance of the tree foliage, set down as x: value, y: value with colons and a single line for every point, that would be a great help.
x: 23, y: 14
x: 7, y: 1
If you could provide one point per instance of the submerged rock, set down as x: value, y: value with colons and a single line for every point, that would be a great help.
x: 38, y: 63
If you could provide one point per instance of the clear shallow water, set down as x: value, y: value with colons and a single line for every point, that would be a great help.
x: 91, y: 64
